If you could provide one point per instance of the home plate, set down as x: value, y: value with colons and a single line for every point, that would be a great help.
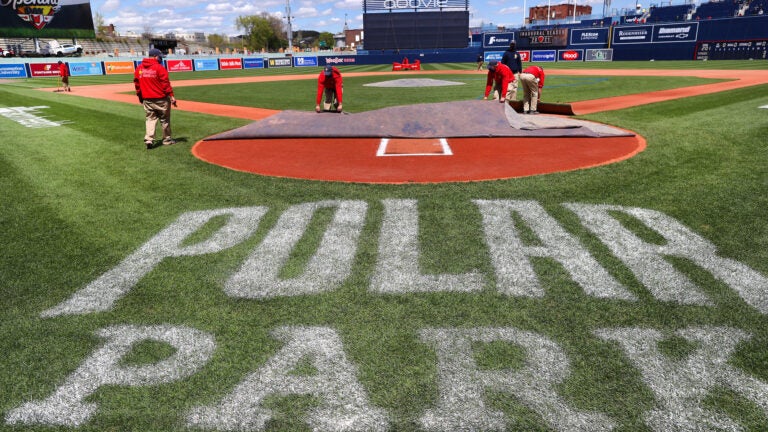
x: 414, y: 147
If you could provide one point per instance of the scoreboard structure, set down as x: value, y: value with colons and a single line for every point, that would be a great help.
x: 415, y: 24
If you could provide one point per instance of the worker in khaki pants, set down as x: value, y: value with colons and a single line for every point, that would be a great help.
x: 532, y: 80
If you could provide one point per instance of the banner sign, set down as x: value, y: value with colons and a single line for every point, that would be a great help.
x: 305, y: 61
x: 498, y: 40
x: 682, y: 32
x: 525, y: 56
x: 85, y: 68
x: 280, y: 62
x: 544, y: 56
x: 231, y: 63
x: 46, y: 19
x: 410, y: 5
x: 253, y: 63
x: 543, y: 38
x: 570, y: 55
x: 341, y: 60
x: 603, y: 54
x: 119, y: 67
x: 176, y: 65
x: 493, y: 55
x: 206, y: 64
x: 632, y: 35
x: 38, y: 70
x: 15, y: 70
x: 589, y: 36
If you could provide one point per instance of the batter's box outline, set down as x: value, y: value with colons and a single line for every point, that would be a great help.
x: 419, y: 147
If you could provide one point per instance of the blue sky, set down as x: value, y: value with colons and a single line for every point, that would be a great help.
x: 218, y: 16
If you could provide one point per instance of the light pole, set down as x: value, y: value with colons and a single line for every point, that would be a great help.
x: 290, y: 30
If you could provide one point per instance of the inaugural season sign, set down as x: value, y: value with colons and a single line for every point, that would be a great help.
x: 46, y: 18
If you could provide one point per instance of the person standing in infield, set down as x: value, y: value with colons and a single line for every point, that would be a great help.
x: 153, y: 87
x: 512, y: 59
x: 532, y: 80
x: 64, y: 75
x: 330, y: 83
x: 501, y: 75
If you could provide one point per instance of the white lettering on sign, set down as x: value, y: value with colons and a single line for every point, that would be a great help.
x: 67, y: 406
x: 326, y: 270
x: 415, y: 4
x: 647, y: 261
x: 681, y: 386
x: 397, y: 269
x: 463, y: 386
x: 344, y: 404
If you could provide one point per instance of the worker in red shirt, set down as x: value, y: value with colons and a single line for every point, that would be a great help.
x: 153, y: 87
x: 330, y: 83
x: 532, y: 80
x: 64, y: 75
x: 502, y: 76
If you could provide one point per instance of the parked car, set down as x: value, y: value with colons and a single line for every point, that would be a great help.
x: 6, y: 53
x: 64, y: 49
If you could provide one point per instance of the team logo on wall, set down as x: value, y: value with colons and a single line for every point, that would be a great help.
x: 39, y: 13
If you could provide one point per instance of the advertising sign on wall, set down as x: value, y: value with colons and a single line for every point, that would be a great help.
x: 544, y: 56
x: 253, y: 63
x: 493, y: 55
x: 570, y: 55
x: 682, y: 32
x: 305, y: 61
x: 16, y: 70
x: 542, y: 38
x: 231, y: 63
x: 341, y: 60
x: 589, y: 36
x: 498, y: 40
x: 85, y: 68
x: 280, y: 62
x: 206, y: 64
x: 176, y: 65
x: 46, y: 19
x: 632, y: 35
x: 604, y: 54
x: 38, y: 70
x: 119, y: 67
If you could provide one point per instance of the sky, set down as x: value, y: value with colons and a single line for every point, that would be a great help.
x: 218, y: 16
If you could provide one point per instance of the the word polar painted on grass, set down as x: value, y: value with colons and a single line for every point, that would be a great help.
x: 397, y: 270
x: 680, y: 387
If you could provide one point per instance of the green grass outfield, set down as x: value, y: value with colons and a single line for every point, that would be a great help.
x: 83, y: 204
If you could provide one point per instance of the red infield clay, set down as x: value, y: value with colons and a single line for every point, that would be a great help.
x: 473, y: 159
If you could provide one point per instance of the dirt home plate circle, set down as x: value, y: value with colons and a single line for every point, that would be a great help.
x: 423, y: 143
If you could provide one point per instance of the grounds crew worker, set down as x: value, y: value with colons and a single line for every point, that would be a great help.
x: 64, y: 74
x: 512, y: 59
x: 532, y: 80
x: 499, y: 74
x: 329, y: 82
x: 153, y: 87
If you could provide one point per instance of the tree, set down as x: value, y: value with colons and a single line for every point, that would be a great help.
x: 219, y: 41
x: 262, y: 31
x: 325, y: 40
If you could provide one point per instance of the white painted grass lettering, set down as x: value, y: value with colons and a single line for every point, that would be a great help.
x: 67, y: 406
x: 326, y: 270
x: 344, y: 403
x: 510, y: 257
x: 101, y: 294
x: 397, y: 268
x: 681, y: 386
x: 462, y: 401
x: 648, y: 264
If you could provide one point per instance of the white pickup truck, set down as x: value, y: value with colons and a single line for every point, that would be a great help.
x: 64, y: 49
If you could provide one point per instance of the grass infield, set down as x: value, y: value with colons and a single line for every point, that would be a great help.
x: 78, y: 199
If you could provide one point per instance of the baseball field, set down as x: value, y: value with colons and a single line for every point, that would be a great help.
x: 152, y: 290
